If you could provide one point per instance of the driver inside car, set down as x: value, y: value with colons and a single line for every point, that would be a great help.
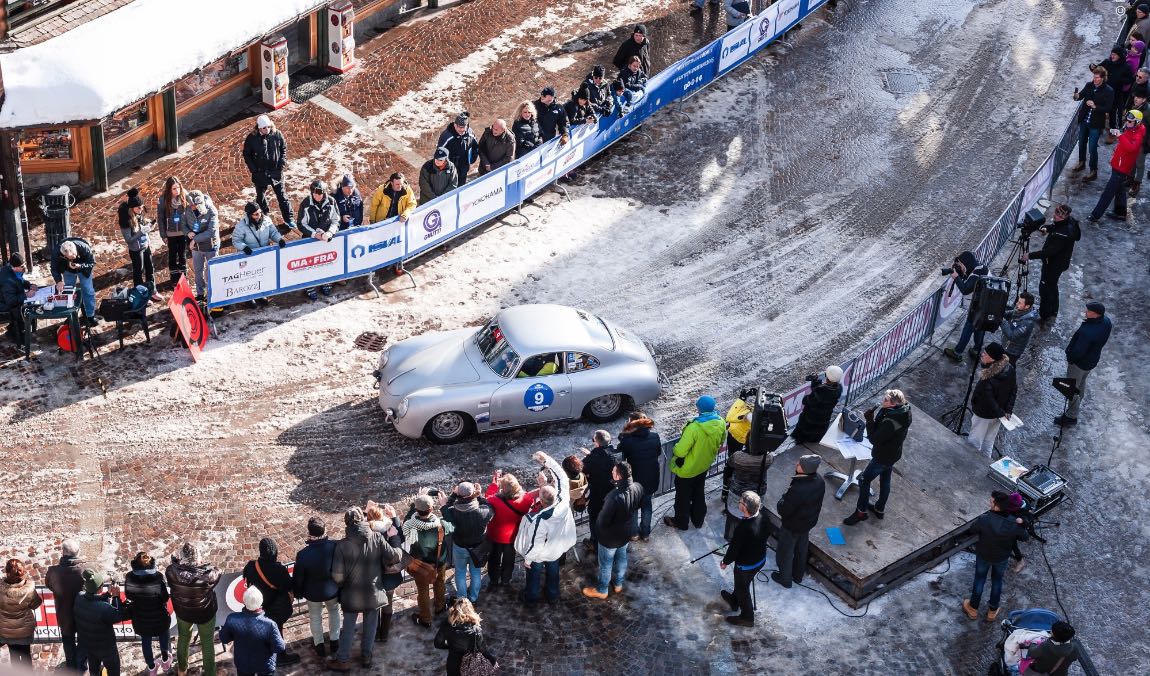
x: 535, y: 366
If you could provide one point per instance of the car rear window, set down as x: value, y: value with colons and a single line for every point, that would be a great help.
x: 597, y: 330
x: 497, y: 352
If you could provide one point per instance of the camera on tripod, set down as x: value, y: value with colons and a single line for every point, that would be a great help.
x: 1032, y: 221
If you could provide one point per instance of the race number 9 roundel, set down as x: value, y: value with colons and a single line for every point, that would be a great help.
x: 538, y: 397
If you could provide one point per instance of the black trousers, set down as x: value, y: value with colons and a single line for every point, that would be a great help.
x: 1048, y: 291
x: 142, y: 272
x: 111, y: 662
x: 743, y: 580
x: 277, y: 187
x: 177, y: 257
x: 791, y: 555
x: 20, y: 653
x: 501, y: 564
x: 690, y: 501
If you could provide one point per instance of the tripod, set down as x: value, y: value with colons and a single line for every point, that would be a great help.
x: 1022, y: 274
x: 979, y: 336
x: 1069, y: 389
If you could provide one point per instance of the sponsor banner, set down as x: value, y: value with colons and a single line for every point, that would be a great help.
x: 240, y: 277
x: 48, y: 627
x: 763, y: 26
x: 372, y: 248
x: 189, y: 317
x: 735, y: 46
x: 812, y: 5
x: 582, y: 132
x: 884, y: 353
x: 569, y: 159
x: 1038, y: 185
x: 950, y: 300
x: 481, y: 198
x: 431, y: 223
x: 311, y: 260
x: 683, y: 77
x: 537, y: 180
x: 788, y: 14
x: 524, y: 167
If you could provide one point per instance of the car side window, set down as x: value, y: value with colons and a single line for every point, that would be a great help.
x: 547, y: 364
x: 580, y: 361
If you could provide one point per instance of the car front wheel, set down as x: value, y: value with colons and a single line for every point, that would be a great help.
x: 448, y: 428
x: 605, y: 408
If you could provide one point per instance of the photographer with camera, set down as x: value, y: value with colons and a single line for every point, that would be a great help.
x: 1055, y: 256
x: 964, y: 274
x: 819, y: 405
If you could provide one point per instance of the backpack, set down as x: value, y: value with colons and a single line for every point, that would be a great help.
x: 138, y: 298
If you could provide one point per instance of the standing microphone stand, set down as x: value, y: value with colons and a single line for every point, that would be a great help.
x: 1069, y: 389
x: 962, y: 408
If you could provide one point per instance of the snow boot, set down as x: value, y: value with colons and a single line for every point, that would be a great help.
x: 1079, y: 167
x: 1091, y: 176
x: 971, y: 611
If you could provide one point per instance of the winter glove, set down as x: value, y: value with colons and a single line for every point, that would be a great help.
x: 283, y: 243
x: 247, y: 251
x: 679, y: 461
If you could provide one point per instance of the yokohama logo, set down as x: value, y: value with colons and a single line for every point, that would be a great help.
x: 318, y: 260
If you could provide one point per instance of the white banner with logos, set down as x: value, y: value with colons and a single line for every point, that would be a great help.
x: 370, y: 248
x: 568, y: 159
x: 481, y: 198
x: 538, y: 180
x: 240, y: 277
x: 788, y: 14
x: 311, y: 260
x: 736, y: 45
x: 431, y: 223
x: 524, y: 167
x: 763, y: 26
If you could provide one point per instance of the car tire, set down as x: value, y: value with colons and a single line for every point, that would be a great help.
x: 605, y: 408
x: 448, y: 427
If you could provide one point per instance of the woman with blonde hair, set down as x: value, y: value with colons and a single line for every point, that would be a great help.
x: 383, y: 520
x: 510, y: 502
x: 18, y: 598
x: 526, y: 129
x: 461, y: 635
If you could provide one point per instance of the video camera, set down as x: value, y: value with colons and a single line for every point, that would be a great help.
x: 1032, y: 221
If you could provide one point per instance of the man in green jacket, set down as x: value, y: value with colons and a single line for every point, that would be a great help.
x: 693, y: 455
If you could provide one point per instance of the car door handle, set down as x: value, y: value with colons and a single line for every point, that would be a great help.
x: 562, y: 392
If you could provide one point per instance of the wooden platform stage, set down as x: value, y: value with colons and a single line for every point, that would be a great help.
x: 939, y: 487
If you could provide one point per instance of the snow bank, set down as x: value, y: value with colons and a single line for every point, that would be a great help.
x: 121, y: 57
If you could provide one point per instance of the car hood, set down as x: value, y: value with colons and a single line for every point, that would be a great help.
x: 438, y: 363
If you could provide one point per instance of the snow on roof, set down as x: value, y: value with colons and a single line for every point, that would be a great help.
x: 137, y: 50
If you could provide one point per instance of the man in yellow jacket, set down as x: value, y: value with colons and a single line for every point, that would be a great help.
x: 394, y: 198
x: 693, y: 455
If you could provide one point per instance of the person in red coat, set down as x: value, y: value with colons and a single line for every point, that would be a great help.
x: 1122, y: 165
x: 510, y: 503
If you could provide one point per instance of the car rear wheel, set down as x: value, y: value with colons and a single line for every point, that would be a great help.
x: 448, y: 427
x: 605, y: 408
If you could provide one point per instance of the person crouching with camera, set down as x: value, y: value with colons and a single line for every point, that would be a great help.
x: 819, y: 405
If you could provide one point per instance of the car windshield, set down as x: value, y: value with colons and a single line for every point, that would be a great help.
x: 497, y: 352
x: 597, y: 330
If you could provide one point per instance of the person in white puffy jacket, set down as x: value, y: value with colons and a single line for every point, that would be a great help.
x: 546, y: 532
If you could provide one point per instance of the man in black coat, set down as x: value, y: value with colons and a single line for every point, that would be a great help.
x: 272, y: 578
x: 311, y: 580
x: 799, y: 512
x: 1055, y: 255
x: 641, y: 447
x: 96, y: 614
x: 437, y: 177
x: 748, y: 551
x: 819, y: 406
x: 1082, y: 355
x: 998, y: 532
x: 14, y: 290
x: 552, y: 120
x: 965, y: 273
x: 265, y: 153
x: 598, y: 92
x: 597, y: 468
x: 462, y: 147
x: 636, y: 45
x: 66, y: 581
x: 616, y: 527
x: 1097, y: 99
x: 887, y: 431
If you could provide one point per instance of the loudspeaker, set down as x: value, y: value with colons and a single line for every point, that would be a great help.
x: 768, y: 424
x: 988, y: 303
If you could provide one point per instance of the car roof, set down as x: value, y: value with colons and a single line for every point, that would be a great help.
x: 533, y: 329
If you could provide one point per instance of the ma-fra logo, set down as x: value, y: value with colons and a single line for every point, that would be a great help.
x: 432, y: 223
x: 316, y: 261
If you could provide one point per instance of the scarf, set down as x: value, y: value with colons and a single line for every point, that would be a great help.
x: 415, y: 525
x: 707, y: 417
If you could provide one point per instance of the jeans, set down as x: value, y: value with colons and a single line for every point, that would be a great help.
x: 1115, y: 191
x: 73, y: 657
x: 200, y: 265
x: 690, y: 501
x: 315, y: 619
x: 177, y: 256
x: 87, y: 290
x: 791, y: 555
x: 1088, y: 138
x: 982, y: 433
x: 142, y: 272
x: 110, y: 663
x: 964, y: 337
x: 874, y: 469
x: 536, y: 574
x: 1079, y: 376
x: 347, y: 635
x: 996, y: 570
x: 743, y: 581
x: 165, y: 640
x: 612, y: 565
x: 262, y: 183
x: 1048, y: 291
x: 643, y: 515
x: 425, y: 593
x: 501, y: 564
x: 463, y: 566
x: 207, y: 632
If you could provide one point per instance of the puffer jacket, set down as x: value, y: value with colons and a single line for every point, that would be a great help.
x: 17, y: 601
x: 458, y: 640
x: 547, y: 534
x: 1085, y: 348
x: 265, y: 155
x: 1125, y: 155
x: 552, y: 119
x: 818, y: 409
x: 469, y: 519
x: 641, y: 447
x: 527, y: 136
x: 495, y: 151
x: 616, y: 523
x: 255, y: 235
x: 597, y: 468
x: 147, y: 602
x: 65, y: 581
x: 95, y: 616
x: 434, y: 181
x: 316, y: 216
x: 134, y: 229
x: 357, y: 567
x: 349, y: 205
x: 311, y: 576
x: 698, y: 446
x: 381, y: 203
x: 256, y: 640
x: 800, y: 506
x: 508, y: 513
x: 887, y: 431
x: 206, y: 226
x: 193, y: 590
x: 1017, y: 327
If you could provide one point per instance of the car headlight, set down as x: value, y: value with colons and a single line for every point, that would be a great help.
x: 383, y: 359
x: 402, y: 410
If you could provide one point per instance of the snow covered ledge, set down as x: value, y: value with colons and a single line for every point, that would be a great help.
x: 98, y: 68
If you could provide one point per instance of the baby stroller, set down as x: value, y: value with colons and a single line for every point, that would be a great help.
x: 1034, y: 620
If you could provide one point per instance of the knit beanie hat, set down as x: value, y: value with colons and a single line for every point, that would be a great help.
x: 422, y: 503
x: 253, y: 599
x: 347, y: 181
x: 251, y: 208
x: 93, y: 580
x: 705, y: 404
x: 269, y: 549
x: 834, y: 374
x: 995, y: 351
x: 134, y: 198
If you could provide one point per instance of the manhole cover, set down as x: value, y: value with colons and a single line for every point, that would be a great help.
x: 311, y: 81
x: 902, y: 82
x: 371, y: 341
